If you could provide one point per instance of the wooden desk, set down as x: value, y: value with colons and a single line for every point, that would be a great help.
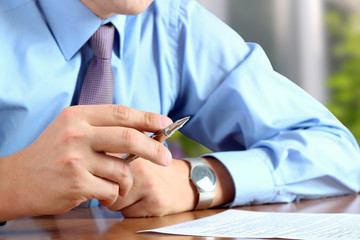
x: 99, y: 223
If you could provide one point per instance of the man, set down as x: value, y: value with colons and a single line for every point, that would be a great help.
x: 272, y: 142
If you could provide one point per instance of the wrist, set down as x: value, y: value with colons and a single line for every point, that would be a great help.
x: 190, y: 188
x: 10, y: 197
x: 225, y: 188
x: 6, y: 196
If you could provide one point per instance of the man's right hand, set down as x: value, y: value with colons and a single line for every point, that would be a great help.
x: 68, y: 163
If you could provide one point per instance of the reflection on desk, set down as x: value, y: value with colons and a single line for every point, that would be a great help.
x: 100, y: 223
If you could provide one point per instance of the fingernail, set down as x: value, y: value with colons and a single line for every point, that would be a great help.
x: 168, y: 158
x: 165, y: 121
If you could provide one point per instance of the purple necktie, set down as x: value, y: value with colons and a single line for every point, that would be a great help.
x: 98, y: 85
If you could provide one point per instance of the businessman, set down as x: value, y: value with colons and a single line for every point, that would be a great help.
x: 60, y: 148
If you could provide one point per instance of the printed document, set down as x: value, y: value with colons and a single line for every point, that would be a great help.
x: 250, y: 224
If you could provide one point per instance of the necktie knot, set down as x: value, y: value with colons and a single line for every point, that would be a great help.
x: 102, y: 41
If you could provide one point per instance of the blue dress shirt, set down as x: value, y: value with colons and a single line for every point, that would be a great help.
x: 278, y: 143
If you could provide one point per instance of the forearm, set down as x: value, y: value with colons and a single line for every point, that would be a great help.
x: 307, y: 164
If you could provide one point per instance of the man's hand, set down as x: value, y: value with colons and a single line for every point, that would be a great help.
x: 159, y: 191
x: 68, y: 163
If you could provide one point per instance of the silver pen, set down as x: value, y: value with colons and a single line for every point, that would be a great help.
x: 161, y: 135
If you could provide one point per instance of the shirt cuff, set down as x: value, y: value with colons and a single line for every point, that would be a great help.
x: 251, y: 174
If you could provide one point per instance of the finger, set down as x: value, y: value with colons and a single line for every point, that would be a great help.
x: 124, y: 202
x: 119, y: 115
x: 119, y: 139
x: 104, y: 190
x: 113, y: 169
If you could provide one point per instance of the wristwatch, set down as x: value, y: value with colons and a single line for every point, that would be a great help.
x: 204, y: 179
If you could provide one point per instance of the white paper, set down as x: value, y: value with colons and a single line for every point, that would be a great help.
x: 249, y: 224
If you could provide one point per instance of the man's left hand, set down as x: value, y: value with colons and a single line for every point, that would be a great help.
x: 158, y: 190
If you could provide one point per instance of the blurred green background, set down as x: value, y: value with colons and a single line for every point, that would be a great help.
x: 315, y: 43
x: 344, y: 80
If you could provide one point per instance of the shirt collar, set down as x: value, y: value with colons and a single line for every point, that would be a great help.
x: 72, y: 24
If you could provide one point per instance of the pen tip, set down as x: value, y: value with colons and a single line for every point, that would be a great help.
x: 168, y: 131
x: 184, y: 120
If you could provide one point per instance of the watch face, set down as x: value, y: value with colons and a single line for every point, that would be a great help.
x: 204, y: 178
